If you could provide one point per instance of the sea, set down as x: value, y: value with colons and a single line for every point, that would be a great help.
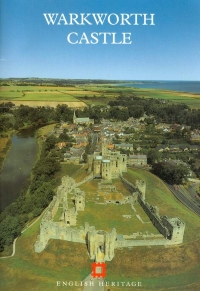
x: 182, y: 86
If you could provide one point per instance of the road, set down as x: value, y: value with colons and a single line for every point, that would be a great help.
x: 185, y: 200
x: 192, y: 190
x: 93, y: 284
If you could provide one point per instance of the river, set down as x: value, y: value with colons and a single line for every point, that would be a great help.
x: 17, y: 167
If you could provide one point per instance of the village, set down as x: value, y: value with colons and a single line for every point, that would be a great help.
x: 142, y: 139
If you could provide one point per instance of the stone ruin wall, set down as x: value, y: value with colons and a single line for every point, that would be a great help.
x: 90, y: 236
x: 152, y: 212
x: 58, y: 230
x: 161, y: 223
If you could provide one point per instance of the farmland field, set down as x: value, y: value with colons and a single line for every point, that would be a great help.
x: 88, y: 94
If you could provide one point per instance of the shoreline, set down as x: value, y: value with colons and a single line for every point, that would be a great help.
x: 5, y: 151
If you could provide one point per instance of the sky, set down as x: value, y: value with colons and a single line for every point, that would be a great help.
x: 168, y: 50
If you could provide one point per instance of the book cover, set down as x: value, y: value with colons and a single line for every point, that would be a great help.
x: 100, y: 104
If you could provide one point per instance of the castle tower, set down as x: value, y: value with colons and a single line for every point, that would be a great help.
x: 123, y: 164
x: 104, y: 148
x: 106, y: 170
x: 92, y: 247
x: 176, y: 228
x: 110, y: 244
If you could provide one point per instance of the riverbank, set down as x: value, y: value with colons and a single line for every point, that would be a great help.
x: 28, y: 203
x: 5, y: 145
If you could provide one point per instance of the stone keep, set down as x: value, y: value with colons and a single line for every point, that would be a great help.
x: 107, y: 165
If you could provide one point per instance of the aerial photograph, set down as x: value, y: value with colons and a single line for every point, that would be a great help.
x: 100, y: 145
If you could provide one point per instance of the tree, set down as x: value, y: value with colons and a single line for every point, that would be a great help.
x: 50, y: 142
x: 171, y: 174
x: 9, y: 229
x: 153, y: 156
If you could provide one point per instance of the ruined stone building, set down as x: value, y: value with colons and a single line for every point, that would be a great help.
x: 101, y: 245
x: 70, y: 200
x: 107, y: 165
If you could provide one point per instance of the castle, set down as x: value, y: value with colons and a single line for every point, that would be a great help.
x: 101, y: 244
x: 107, y: 165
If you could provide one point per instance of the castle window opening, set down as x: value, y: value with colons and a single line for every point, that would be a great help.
x: 102, y: 248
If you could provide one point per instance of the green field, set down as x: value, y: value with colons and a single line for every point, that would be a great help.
x: 28, y: 93
x: 192, y: 100
x: 91, y: 94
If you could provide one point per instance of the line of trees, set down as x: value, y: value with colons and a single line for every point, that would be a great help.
x: 163, y: 111
x: 120, y: 109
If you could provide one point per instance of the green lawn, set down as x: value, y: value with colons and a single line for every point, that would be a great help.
x: 30, y: 271
x: 106, y: 217
x: 67, y: 170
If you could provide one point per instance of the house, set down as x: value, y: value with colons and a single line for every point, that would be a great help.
x: 176, y: 126
x: 61, y: 145
x: 193, y: 147
x: 184, y: 148
x: 124, y: 146
x: 74, y: 156
x: 137, y: 160
x: 195, y: 137
x: 174, y: 148
x: 162, y: 148
x: 80, y: 144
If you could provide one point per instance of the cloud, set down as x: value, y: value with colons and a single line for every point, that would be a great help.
x: 3, y: 60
